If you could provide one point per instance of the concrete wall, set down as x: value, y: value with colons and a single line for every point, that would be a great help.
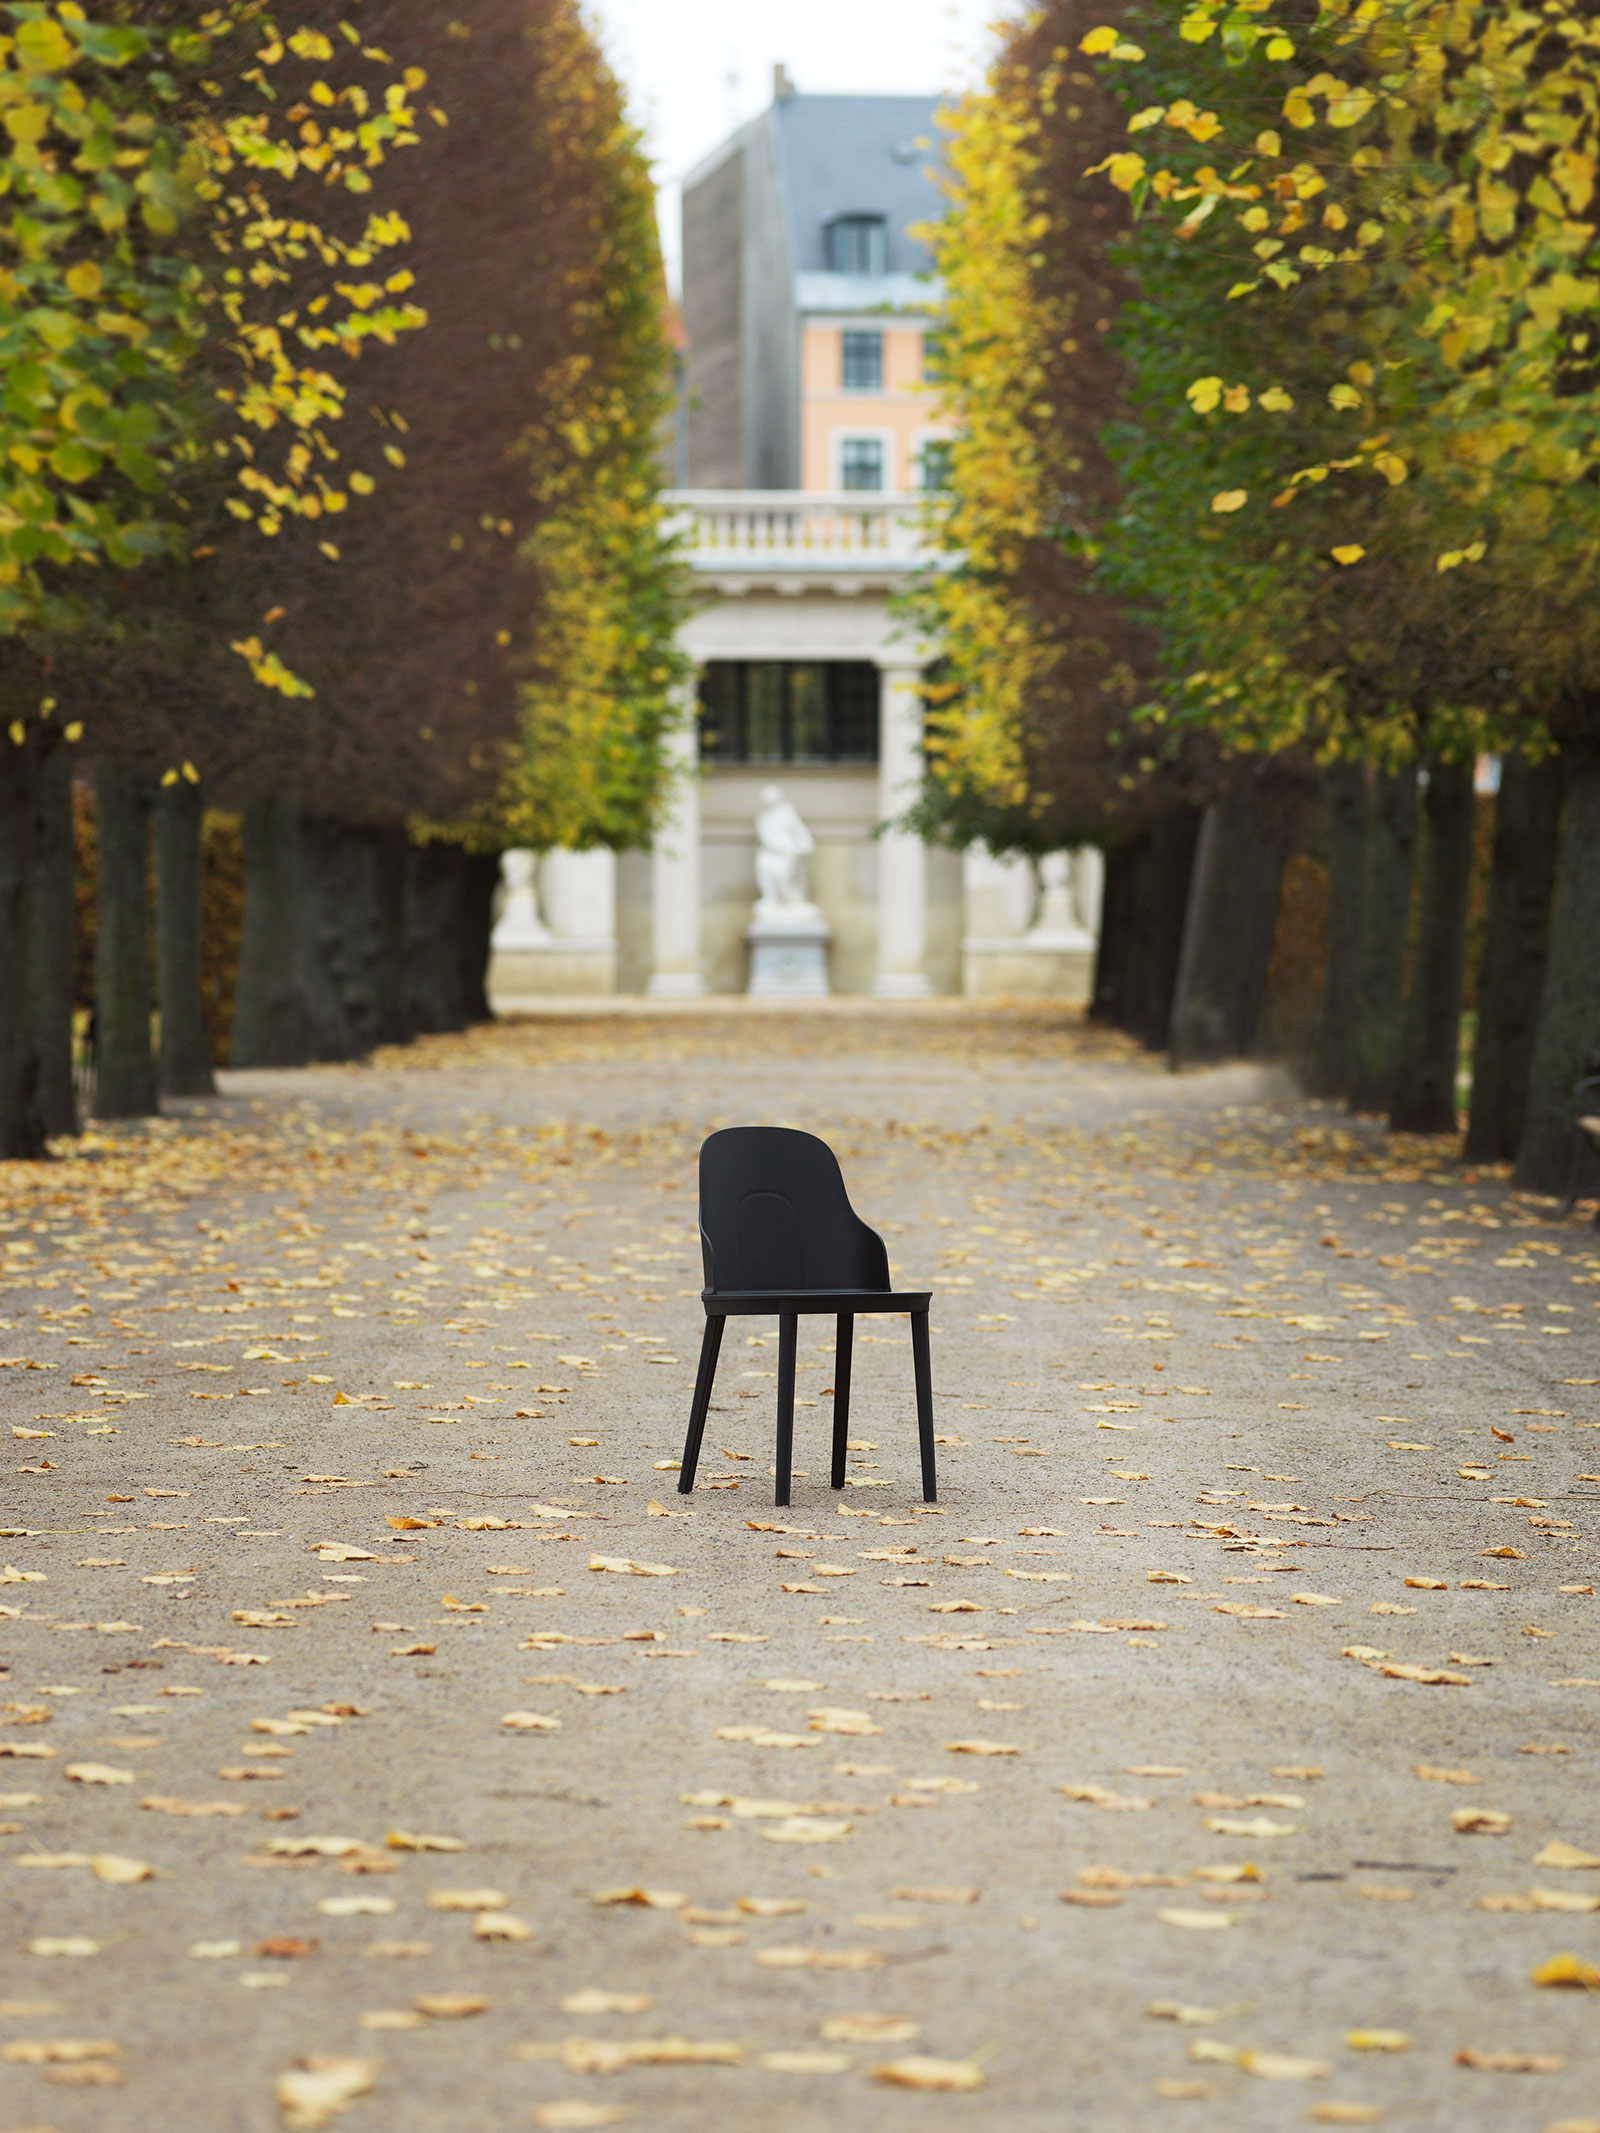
x: 714, y: 319
x: 771, y: 357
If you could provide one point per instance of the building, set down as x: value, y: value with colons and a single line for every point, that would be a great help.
x: 808, y: 297
x: 809, y: 433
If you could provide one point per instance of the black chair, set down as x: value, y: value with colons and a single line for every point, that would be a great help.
x: 778, y: 1236
x: 1586, y: 1139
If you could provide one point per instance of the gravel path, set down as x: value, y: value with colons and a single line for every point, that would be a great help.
x: 1218, y: 1752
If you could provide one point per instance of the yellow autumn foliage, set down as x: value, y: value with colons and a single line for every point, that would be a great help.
x: 993, y: 344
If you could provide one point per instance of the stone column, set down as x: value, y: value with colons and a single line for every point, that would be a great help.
x: 902, y: 859
x: 675, y: 872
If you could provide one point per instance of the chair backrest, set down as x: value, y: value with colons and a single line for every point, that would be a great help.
x: 774, y: 1214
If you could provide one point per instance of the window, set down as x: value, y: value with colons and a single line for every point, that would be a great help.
x: 934, y: 460
x: 861, y: 462
x: 788, y: 711
x: 863, y: 362
x: 858, y: 244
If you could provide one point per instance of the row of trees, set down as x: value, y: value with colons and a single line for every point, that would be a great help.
x: 335, y: 368
x: 1274, y: 339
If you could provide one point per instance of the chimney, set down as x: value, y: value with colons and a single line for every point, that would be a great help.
x: 782, y: 86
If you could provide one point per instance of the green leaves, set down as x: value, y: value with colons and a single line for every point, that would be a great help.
x: 43, y: 46
x: 113, y: 45
x: 131, y: 180
x: 74, y: 462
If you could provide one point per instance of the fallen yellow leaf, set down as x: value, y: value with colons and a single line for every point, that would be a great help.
x: 930, y: 2074
x: 869, y: 2029
x: 1566, y: 1857
x: 1280, y: 2066
x: 501, y: 1925
x: 450, y: 2006
x: 58, y: 2051
x: 318, y: 2089
x: 1568, y: 1970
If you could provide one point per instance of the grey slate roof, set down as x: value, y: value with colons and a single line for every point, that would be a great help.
x: 845, y: 155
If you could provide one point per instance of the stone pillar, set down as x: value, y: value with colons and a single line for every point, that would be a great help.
x: 675, y: 873
x: 902, y: 858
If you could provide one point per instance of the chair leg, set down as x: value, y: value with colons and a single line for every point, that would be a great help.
x: 922, y: 1365
x: 841, y: 1395
x: 705, y: 1376
x: 788, y: 1338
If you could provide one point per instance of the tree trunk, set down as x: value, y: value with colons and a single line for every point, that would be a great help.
x: 339, y: 943
x: 480, y: 879
x: 389, y: 864
x: 1567, y: 1043
x: 1425, y: 1078
x: 1385, y: 924
x: 433, y: 937
x: 1106, y: 1002
x: 55, y: 942
x: 268, y: 1024
x: 180, y: 940
x: 1516, y: 947
x: 1232, y: 919
x: 125, y: 1069
x: 22, y: 1131
x: 1347, y: 822
x: 1161, y: 902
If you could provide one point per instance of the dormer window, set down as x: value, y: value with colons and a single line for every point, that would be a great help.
x: 858, y: 244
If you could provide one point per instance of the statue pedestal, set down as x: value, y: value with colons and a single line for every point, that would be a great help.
x: 789, y: 954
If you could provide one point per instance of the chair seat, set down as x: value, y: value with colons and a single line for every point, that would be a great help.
x: 754, y: 1303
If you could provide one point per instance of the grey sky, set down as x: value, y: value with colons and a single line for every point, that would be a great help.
x: 695, y: 69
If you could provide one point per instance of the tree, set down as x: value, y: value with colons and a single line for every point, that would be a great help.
x: 1039, y: 667
x: 1440, y: 191
x: 123, y: 340
x: 494, y: 658
x: 1347, y: 280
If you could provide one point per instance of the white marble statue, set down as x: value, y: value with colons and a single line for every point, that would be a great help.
x: 787, y: 933
x: 519, y: 924
x: 1056, y: 911
x: 1060, y: 923
x: 783, y: 845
